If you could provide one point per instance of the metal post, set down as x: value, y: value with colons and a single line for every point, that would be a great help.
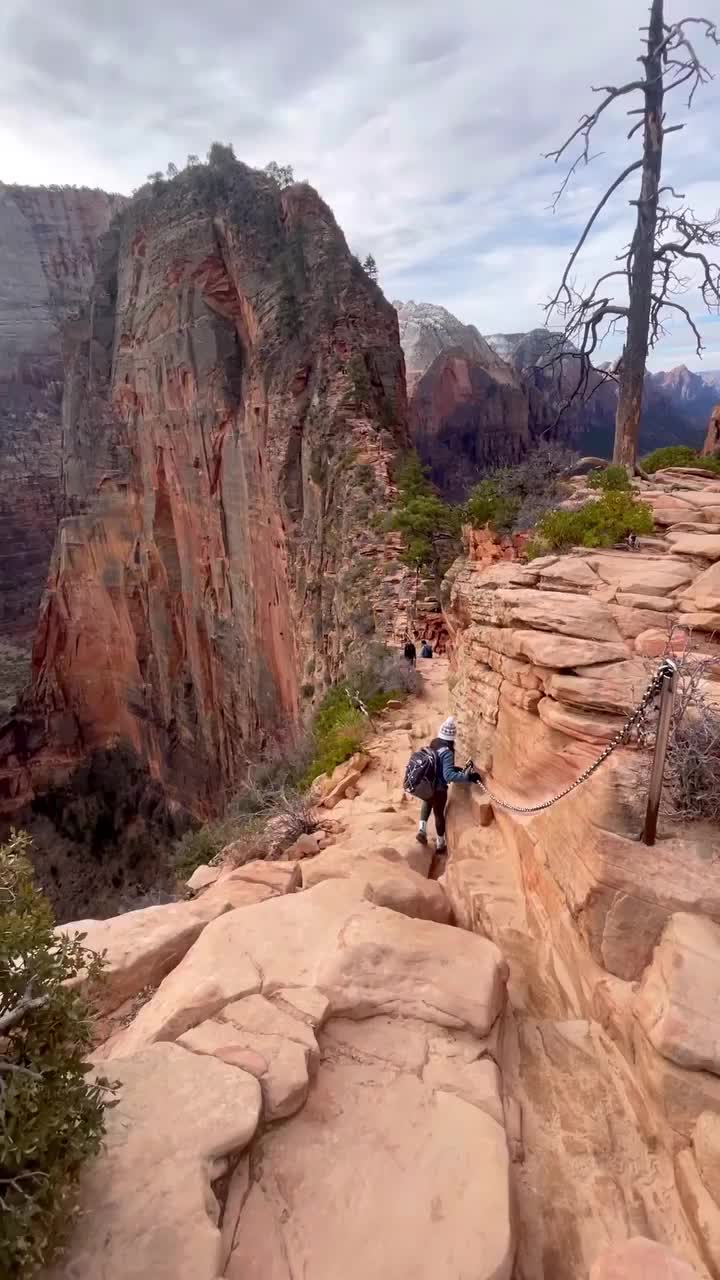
x: 667, y: 701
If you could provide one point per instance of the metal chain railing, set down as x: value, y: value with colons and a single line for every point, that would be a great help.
x: 634, y: 720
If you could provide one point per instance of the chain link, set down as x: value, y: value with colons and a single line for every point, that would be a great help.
x: 634, y: 720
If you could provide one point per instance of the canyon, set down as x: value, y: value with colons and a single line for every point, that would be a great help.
x: 481, y: 402
x: 510, y: 1072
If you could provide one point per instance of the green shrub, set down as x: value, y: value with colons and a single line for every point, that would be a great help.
x: 612, y: 480
x: 672, y: 455
x: 487, y: 505
x: 600, y: 523
x: 430, y: 527
x: 51, y: 1115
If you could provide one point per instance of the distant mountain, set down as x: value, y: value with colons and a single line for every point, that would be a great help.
x: 426, y: 330
x: 478, y: 402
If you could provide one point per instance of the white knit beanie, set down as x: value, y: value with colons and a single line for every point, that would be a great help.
x: 448, y: 729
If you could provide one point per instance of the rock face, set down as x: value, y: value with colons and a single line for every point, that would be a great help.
x: 48, y: 242
x: 426, y: 331
x: 468, y: 413
x: 711, y: 447
x: 612, y: 945
x: 234, y: 398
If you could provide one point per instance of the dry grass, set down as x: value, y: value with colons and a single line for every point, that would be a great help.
x: 692, y: 775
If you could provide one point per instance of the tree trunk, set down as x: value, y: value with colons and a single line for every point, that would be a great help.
x: 634, y: 359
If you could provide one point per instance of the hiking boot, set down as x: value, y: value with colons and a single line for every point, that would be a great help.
x: 421, y: 836
x: 441, y: 848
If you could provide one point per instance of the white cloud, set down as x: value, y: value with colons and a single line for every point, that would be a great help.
x: 422, y: 124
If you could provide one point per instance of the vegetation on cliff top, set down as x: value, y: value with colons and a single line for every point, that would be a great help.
x: 679, y: 455
x: 51, y: 1113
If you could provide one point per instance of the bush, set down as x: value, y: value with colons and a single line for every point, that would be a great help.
x: 600, y: 523
x: 52, y: 1117
x: 679, y: 455
x: 514, y: 498
x: 693, y: 760
x: 430, y: 527
x: 612, y: 480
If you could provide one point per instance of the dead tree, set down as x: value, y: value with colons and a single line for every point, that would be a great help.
x: 669, y: 239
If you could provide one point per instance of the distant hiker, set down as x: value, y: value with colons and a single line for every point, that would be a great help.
x: 410, y: 652
x: 428, y: 776
x: 426, y: 650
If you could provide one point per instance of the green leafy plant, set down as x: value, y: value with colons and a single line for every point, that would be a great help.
x: 678, y: 455
x: 430, y: 527
x: 600, y: 523
x: 487, y: 505
x: 612, y: 479
x: 51, y: 1114
x: 511, y: 499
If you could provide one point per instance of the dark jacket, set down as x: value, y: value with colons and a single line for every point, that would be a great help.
x: 426, y: 651
x: 410, y: 651
x: 446, y: 771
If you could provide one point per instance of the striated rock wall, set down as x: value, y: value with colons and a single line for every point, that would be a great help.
x: 48, y: 240
x: 468, y: 413
x: 235, y: 396
x: 613, y: 945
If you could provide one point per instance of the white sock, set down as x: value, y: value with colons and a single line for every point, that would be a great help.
x: 422, y: 826
x: 441, y: 845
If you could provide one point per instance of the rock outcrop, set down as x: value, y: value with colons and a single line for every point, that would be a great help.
x: 234, y: 400
x: 711, y: 447
x: 48, y: 241
x: 612, y: 945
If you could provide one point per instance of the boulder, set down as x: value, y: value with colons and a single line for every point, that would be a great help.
x: 411, y: 895
x: 141, y: 947
x: 640, y: 1259
x: 586, y: 726
x: 363, y: 958
x: 704, y: 591
x: 568, y: 572
x: 678, y: 1003
x: 147, y: 1203
x: 616, y: 687
x: 544, y: 649
x: 342, y: 776
x: 202, y: 877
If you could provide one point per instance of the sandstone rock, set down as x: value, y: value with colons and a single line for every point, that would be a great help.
x: 586, y: 726
x: 696, y: 544
x: 186, y: 597
x: 421, y: 899
x: 48, y: 244
x: 363, y: 958
x: 141, y: 947
x: 633, y: 600
x: 678, y: 1095
x: 654, y: 643
x: 706, y: 1145
x: 278, y: 876
x: 617, y: 687
x: 336, y: 783
x: 704, y: 590
x: 306, y: 1003
x: 202, y: 877
x: 569, y: 571
x: 547, y: 650
x: 641, y: 1259
x: 641, y: 575
x: 703, y: 1212
x: 147, y: 1204
x: 446, y: 1160
x: 271, y: 1045
x: 478, y: 1083
x: 632, y: 622
x: 306, y: 846
x: 701, y: 621
x: 678, y: 1003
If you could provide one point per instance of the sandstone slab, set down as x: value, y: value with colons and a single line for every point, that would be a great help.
x: 615, y: 688
x: 678, y: 1004
x: 641, y: 1259
x: 706, y: 545
x: 411, y: 895
x: 702, y: 1210
x: 363, y: 958
x: 704, y: 590
x: 141, y: 947
x: 642, y: 575
x: 425, y: 1192
x: 147, y: 1207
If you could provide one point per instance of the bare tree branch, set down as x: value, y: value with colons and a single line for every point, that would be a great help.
x: 13, y: 1017
x: 632, y: 168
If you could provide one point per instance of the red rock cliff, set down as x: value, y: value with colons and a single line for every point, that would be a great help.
x: 48, y: 239
x: 234, y: 398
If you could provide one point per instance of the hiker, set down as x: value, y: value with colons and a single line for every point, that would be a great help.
x: 426, y: 650
x: 443, y: 748
x: 410, y: 653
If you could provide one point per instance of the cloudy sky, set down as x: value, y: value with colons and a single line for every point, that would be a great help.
x: 422, y: 123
